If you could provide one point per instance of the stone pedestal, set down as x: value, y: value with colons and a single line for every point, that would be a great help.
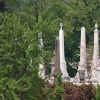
x: 65, y: 74
x: 94, y: 76
x: 82, y: 75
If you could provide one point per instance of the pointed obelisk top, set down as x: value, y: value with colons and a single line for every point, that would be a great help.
x: 96, y: 26
x: 61, y: 25
x: 83, y: 27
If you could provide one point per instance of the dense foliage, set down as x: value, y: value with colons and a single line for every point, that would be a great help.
x: 20, y: 23
x: 18, y: 76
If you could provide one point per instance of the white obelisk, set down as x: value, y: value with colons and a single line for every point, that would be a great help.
x: 41, y: 64
x: 95, y: 62
x: 82, y: 63
x: 63, y: 65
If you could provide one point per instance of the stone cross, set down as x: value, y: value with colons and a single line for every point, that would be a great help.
x: 61, y: 25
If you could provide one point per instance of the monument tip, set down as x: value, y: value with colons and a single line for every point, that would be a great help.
x: 61, y: 25
x: 96, y: 26
x: 83, y: 27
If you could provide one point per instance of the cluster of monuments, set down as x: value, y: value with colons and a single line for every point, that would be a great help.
x: 59, y: 66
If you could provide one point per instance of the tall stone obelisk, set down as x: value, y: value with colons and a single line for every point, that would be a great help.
x: 63, y: 65
x: 95, y: 62
x: 82, y: 64
x: 41, y: 64
x: 57, y: 70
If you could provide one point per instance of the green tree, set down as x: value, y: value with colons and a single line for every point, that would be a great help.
x: 18, y: 75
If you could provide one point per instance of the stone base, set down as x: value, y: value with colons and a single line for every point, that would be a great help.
x: 63, y: 68
x: 93, y: 77
x: 80, y: 76
x: 67, y: 78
